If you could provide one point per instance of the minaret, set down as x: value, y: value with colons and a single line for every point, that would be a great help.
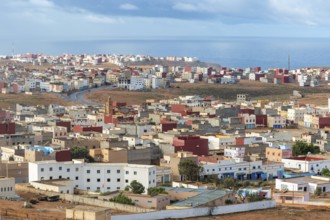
x: 108, y: 106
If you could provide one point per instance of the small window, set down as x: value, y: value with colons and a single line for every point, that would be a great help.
x: 108, y: 180
x: 127, y: 172
x: 98, y: 171
x: 135, y: 172
x: 88, y: 180
x: 77, y: 178
x: 60, y: 168
x: 42, y: 169
x: 88, y: 171
x: 118, y: 171
x: 68, y: 170
x: 50, y: 168
x: 98, y: 180
x: 108, y: 171
x: 118, y: 180
x: 88, y: 188
x: 108, y: 188
x: 50, y: 177
x: 77, y: 169
x: 60, y: 177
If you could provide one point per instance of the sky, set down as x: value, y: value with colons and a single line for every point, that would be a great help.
x: 105, y: 19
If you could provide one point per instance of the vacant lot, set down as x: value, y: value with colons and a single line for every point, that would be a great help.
x: 278, y: 213
x: 10, y: 100
x: 257, y: 90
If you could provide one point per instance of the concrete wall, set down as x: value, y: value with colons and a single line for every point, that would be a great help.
x: 197, y: 212
x: 84, y: 200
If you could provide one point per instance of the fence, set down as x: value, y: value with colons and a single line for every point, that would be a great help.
x: 198, y: 212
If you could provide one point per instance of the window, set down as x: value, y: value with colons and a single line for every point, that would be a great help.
x: 50, y: 168
x: 259, y: 167
x: 98, y: 188
x: 126, y: 181
x: 108, y: 188
x: 77, y: 178
x: 98, y: 171
x: 127, y: 172
x: 60, y: 177
x: 50, y: 177
x: 88, y: 188
x: 118, y: 187
x: 149, y: 201
x: 219, y: 169
x: 98, y: 180
x: 42, y: 169
x: 68, y: 170
x: 108, y: 180
x: 60, y: 168
x: 88, y: 180
x: 253, y: 167
x: 108, y: 171
x: 118, y: 171
x: 118, y: 180
x: 135, y: 172
x: 77, y: 169
x: 88, y: 171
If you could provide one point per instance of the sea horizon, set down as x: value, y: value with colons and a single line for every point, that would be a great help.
x: 227, y: 51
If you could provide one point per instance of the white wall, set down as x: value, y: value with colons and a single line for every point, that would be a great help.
x: 197, y: 212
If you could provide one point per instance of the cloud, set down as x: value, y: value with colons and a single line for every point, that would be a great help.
x: 100, y: 19
x: 185, y: 7
x: 42, y: 3
x: 128, y: 6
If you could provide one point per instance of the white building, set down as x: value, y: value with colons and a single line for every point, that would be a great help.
x: 234, y: 152
x: 136, y: 83
x: 306, y: 184
x: 307, y: 164
x: 94, y: 176
x: 297, y: 114
x: 7, y: 187
x: 243, y: 170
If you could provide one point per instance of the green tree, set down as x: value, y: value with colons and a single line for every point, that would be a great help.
x: 136, y: 187
x: 254, y: 197
x: 81, y: 153
x: 122, y: 199
x: 189, y: 169
x: 325, y: 172
x: 318, y: 191
x: 230, y: 183
x: 154, y: 191
x: 303, y: 148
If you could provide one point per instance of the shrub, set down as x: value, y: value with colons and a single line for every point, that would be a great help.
x: 318, y: 191
x: 228, y: 202
x: 122, y: 199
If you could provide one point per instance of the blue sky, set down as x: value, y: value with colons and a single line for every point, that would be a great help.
x: 103, y: 19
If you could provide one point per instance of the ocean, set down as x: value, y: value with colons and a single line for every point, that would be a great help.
x: 239, y: 52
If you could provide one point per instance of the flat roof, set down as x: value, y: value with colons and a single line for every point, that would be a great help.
x: 203, y: 197
x: 305, y: 179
